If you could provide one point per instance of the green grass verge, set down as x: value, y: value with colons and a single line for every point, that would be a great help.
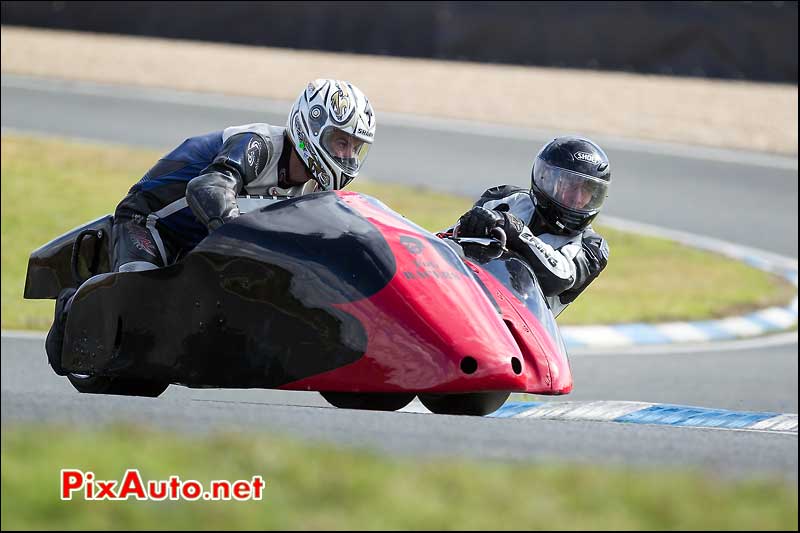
x: 322, y: 487
x: 50, y: 186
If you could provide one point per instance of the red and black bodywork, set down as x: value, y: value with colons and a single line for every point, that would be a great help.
x: 331, y: 291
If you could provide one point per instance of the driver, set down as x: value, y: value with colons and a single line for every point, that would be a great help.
x: 192, y: 190
x: 550, y: 224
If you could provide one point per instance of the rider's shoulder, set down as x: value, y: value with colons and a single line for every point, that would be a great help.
x: 590, y: 237
x: 516, y: 200
x: 502, y: 191
x: 590, y: 233
x: 267, y: 131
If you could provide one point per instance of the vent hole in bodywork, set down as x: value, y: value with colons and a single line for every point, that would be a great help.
x: 516, y: 365
x: 469, y: 365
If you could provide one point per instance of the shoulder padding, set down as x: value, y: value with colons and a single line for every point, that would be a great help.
x: 501, y: 191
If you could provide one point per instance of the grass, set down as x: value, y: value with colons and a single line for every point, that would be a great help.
x: 656, y: 280
x: 322, y: 487
x: 50, y: 186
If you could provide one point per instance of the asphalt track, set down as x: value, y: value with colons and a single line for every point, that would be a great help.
x: 750, y: 199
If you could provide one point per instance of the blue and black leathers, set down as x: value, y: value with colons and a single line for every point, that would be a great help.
x: 192, y: 190
x: 187, y: 192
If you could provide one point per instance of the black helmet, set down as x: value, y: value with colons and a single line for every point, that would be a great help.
x: 570, y: 180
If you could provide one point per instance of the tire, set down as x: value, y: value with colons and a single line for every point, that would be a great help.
x: 373, y: 401
x: 472, y: 403
x: 117, y: 386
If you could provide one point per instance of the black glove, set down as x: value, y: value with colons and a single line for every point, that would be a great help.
x: 478, y: 221
x: 513, y: 226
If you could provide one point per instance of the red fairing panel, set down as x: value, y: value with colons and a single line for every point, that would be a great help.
x: 430, y: 316
x: 538, y: 348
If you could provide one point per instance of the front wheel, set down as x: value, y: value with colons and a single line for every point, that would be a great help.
x: 374, y: 401
x: 117, y: 386
x: 471, y: 403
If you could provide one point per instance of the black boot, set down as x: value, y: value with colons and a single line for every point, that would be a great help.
x: 55, y: 337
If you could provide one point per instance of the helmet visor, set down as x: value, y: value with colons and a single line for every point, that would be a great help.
x: 346, y: 150
x: 572, y: 190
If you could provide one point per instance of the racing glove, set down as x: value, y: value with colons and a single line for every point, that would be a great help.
x: 554, y: 270
x: 212, y: 198
x: 478, y: 221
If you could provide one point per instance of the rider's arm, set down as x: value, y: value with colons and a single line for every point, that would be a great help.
x: 212, y: 194
x: 556, y: 270
x: 589, y: 262
x: 563, y: 272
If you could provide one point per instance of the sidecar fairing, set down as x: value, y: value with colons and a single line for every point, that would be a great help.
x: 331, y: 292
x: 50, y: 268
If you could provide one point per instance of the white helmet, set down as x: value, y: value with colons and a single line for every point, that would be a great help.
x: 332, y: 126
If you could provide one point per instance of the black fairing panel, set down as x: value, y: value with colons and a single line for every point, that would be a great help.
x: 251, y: 306
x: 49, y: 267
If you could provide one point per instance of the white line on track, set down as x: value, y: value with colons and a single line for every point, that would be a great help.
x: 679, y: 348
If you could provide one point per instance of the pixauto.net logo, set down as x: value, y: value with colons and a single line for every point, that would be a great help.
x: 133, y: 486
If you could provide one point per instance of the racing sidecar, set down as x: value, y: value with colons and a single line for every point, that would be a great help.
x: 332, y: 292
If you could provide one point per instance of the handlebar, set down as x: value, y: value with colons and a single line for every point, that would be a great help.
x: 496, y: 233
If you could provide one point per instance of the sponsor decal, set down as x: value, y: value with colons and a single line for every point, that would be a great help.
x: 312, y: 164
x: 317, y: 171
x: 429, y: 269
x: 141, y: 240
x: 588, y: 157
x: 362, y: 131
x: 301, y: 136
x: 340, y: 105
x: 427, y: 274
x: 516, y: 224
x: 539, y: 245
x: 411, y: 244
x: 253, y: 153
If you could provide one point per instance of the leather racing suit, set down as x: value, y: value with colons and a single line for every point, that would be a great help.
x: 193, y: 189
x: 564, y: 265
